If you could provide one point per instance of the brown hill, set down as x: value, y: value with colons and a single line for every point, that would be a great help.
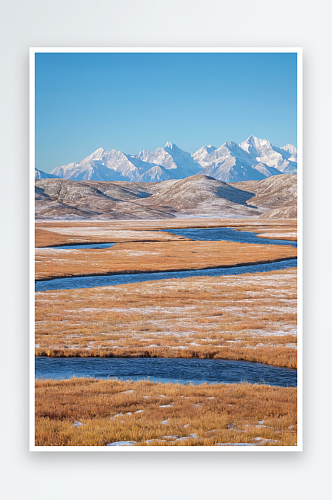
x: 277, y: 195
x: 195, y: 196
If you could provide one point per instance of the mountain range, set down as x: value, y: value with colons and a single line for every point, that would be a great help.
x: 253, y: 159
x: 39, y: 174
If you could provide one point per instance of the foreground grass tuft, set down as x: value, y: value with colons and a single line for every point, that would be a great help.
x: 173, y: 414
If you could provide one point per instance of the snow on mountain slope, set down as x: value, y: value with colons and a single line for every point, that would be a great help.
x: 253, y: 159
x: 264, y: 152
x: 39, y: 174
x: 155, y: 174
x: 291, y: 150
x: 203, y: 153
x: 172, y: 158
x: 105, y: 166
x: 265, y: 170
x: 230, y: 163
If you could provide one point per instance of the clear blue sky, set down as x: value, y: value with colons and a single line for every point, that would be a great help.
x: 131, y: 102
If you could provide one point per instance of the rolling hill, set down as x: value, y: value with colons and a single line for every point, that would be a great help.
x: 194, y: 196
x: 277, y: 195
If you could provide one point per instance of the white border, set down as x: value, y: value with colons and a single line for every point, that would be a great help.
x: 300, y: 249
x: 31, y: 251
x: 207, y: 50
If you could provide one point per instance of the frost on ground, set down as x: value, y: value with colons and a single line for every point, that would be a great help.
x: 203, y: 314
x: 122, y: 443
x: 110, y: 235
x: 101, y: 412
x: 147, y: 257
x: 77, y: 424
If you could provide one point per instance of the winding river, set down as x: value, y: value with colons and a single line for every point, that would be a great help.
x: 210, y: 234
x: 123, y: 279
x: 173, y: 370
x: 81, y: 246
x: 227, y: 234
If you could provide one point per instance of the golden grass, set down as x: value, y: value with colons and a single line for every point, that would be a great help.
x: 92, y: 234
x: 152, y: 225
x: 66, y: 232
x: 276, y: 231
x: 250, y: 317
x: 237, y: 413
x: 155, y: 256
x: 247, y: 317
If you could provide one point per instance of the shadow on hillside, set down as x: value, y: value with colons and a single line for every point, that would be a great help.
x: 235, y: 195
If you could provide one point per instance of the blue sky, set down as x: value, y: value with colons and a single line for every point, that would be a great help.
x: 131, y: 102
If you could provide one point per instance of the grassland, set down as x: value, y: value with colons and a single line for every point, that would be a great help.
x: 146, y: 257
x: 52, y: 233
x: 92, y: 234
x: 250, y: 317
x: 153, y: 414
x: 246, y: 317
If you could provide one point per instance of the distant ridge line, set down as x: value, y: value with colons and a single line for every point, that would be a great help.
x: 253, y: 159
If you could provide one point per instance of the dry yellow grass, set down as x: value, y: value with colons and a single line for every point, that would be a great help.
x: 66, y: 232
x: 251, y: 317
x: 155, y: 256
x: 152, y: 225
x: 203, y: 415
x: 275, y: 231
x: 92, y: 234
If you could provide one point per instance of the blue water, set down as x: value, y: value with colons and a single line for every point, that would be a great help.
x: 169, y: 370
x: 184, y: 371
x: 206, y: 234
x: 79, y: 246
x: 122, y: 279
x: 227, y: 234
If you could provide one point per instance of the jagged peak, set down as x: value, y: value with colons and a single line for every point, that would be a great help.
x: 230, y: 144
x: 290, y: 148
x: 209, y: 148
x: 171, y: 145
x: 255, y: 141
x: 205, y: 149
x: 98, y: 153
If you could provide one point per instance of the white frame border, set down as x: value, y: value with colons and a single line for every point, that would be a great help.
x: 207, y: 50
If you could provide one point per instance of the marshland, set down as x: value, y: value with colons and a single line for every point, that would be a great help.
x: 250, y: 316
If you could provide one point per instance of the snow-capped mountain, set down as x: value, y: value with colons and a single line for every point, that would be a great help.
x: 292, y: 150
x: 253, y: 159
x: 279, y: 158
x: 155, y: 174
x: 173, y: 158
x: 203, y: 153
x: 105, y: 166
x: 231, y: 163
x: 39, y: 174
